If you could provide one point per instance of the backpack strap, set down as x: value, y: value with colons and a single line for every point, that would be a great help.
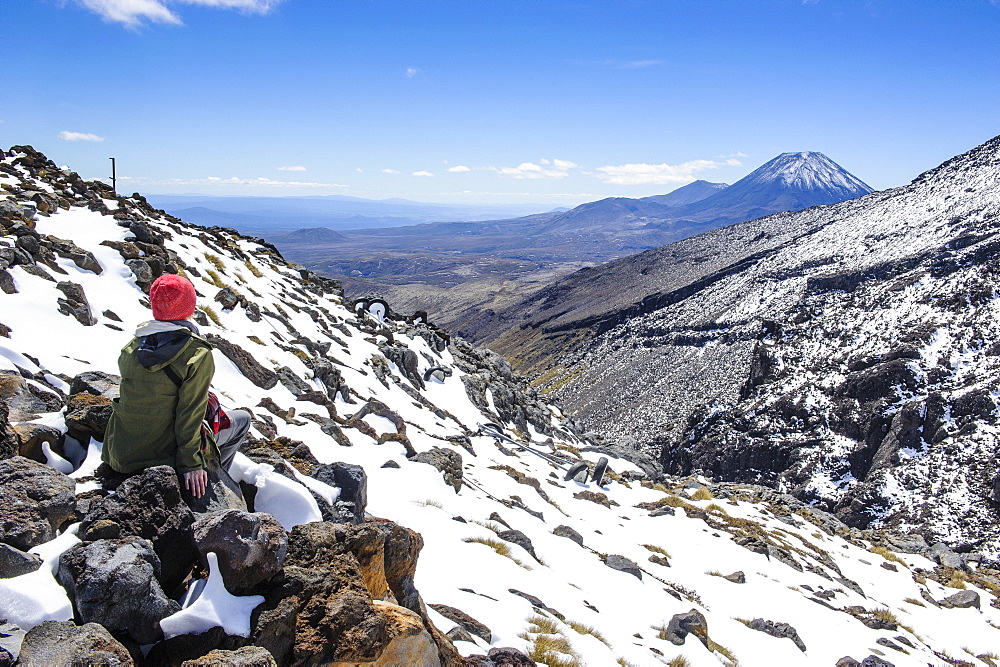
x: 174, y: 377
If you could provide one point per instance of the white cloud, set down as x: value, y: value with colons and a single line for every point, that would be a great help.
x: 389, y: 171
x: 422, y: 173
x: 79, y: 136
x: 659, y: 174
x: 297, y: 167
x: 547, y: 169
x: 458, y: 168
x: 133, y: 13
x: 261, y: 182
x: 411, y: 72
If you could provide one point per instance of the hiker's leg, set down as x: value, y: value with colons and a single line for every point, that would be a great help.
x: 230, y: 439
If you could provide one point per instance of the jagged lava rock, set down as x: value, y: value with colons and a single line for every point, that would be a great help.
x: 65, y: 643
x: 114, y: 583
x: 149, y: 505
x: 251, y: 548
x: 35, y: 501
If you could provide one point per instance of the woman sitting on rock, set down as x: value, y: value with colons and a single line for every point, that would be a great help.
x: 159, y: 417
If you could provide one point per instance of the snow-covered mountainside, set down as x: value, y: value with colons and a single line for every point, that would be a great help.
x: 846, y: 353
x: 644, y: 570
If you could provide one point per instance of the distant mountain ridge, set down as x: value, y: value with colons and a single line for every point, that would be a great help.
x: 687, y: 194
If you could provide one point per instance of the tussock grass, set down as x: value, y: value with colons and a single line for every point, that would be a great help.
x: 584, y: 629
x: 716, y: 647
x: 214, y: 279
x: 489, y: 525
x: 253, y: 269
x: 915, y: 601
x: 656, y: 549
x: 679, y: 661
x: 957, y: 580
x: 888, y: 555
x: 548, y: 645
x: 702, y: 493
x: 215, y: 261
x: 428, y: 502
x: 212, y: 315
x: 499, y: 546
x: 256, y: 340
x: 714, y: 573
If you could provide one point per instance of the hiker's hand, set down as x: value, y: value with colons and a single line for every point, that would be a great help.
x: 195, y: 482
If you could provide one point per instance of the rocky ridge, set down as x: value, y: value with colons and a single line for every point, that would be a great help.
x: 367, y: 451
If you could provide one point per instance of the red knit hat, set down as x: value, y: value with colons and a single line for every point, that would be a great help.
x: 172, y: 297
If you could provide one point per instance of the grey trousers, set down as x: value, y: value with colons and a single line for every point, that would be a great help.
x: 230, y: 439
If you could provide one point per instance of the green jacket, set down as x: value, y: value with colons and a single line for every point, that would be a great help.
x: 155, y: 422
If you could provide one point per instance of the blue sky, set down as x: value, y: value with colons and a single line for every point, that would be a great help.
x: 556, y: 102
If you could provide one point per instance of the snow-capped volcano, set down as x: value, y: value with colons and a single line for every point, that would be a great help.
x: 789, y: 182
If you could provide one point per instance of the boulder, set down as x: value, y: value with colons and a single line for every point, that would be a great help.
x: 227, y: 298
x: 324, y: 609
x: 87, y: 416
x: 352, y: 481
x: 465, y: 621
x: 623, y: 564
x: 566, y: 531
x: 681, y: 625
x: 941, y: 554
x: 11, y: 637
x: 245, y: 362
x: 35, y: 500
x: 410, y: 643
x: 222, y: 493
x: 448, y: 461
x: 26, y: 400
x: 149, y: 505
x: 30, y: 438
x: 97, y: 383
x: 75, y: 303
x: 736, y: 577
x: 65, y: 643
x: 251, y: 548
x: 520, y: 539
x: 14, y: 562
x: 143, y: 274
x: 114, y: 583
x: 778, y: 630
x: 248, y: 656
x: 962, y: 599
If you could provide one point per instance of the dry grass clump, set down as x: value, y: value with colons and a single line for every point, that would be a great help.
x: 489, y: 525
x: 656, y: 549
x: 548, y: 644
x: 253, y: 269
x: 915, y: 601
x: 584, y: 629
x: 428, y: 502
x: 214, y: 279
x: 679, y: 661
x: 499, y: 546
x: 888, y: 555
x: 215, y: 261
x: 702, y: 493
x: 256, y: 340
x: 957, y: 580
x: 212, y: 315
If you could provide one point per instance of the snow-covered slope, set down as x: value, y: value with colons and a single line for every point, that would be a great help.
x: 566, y: 603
